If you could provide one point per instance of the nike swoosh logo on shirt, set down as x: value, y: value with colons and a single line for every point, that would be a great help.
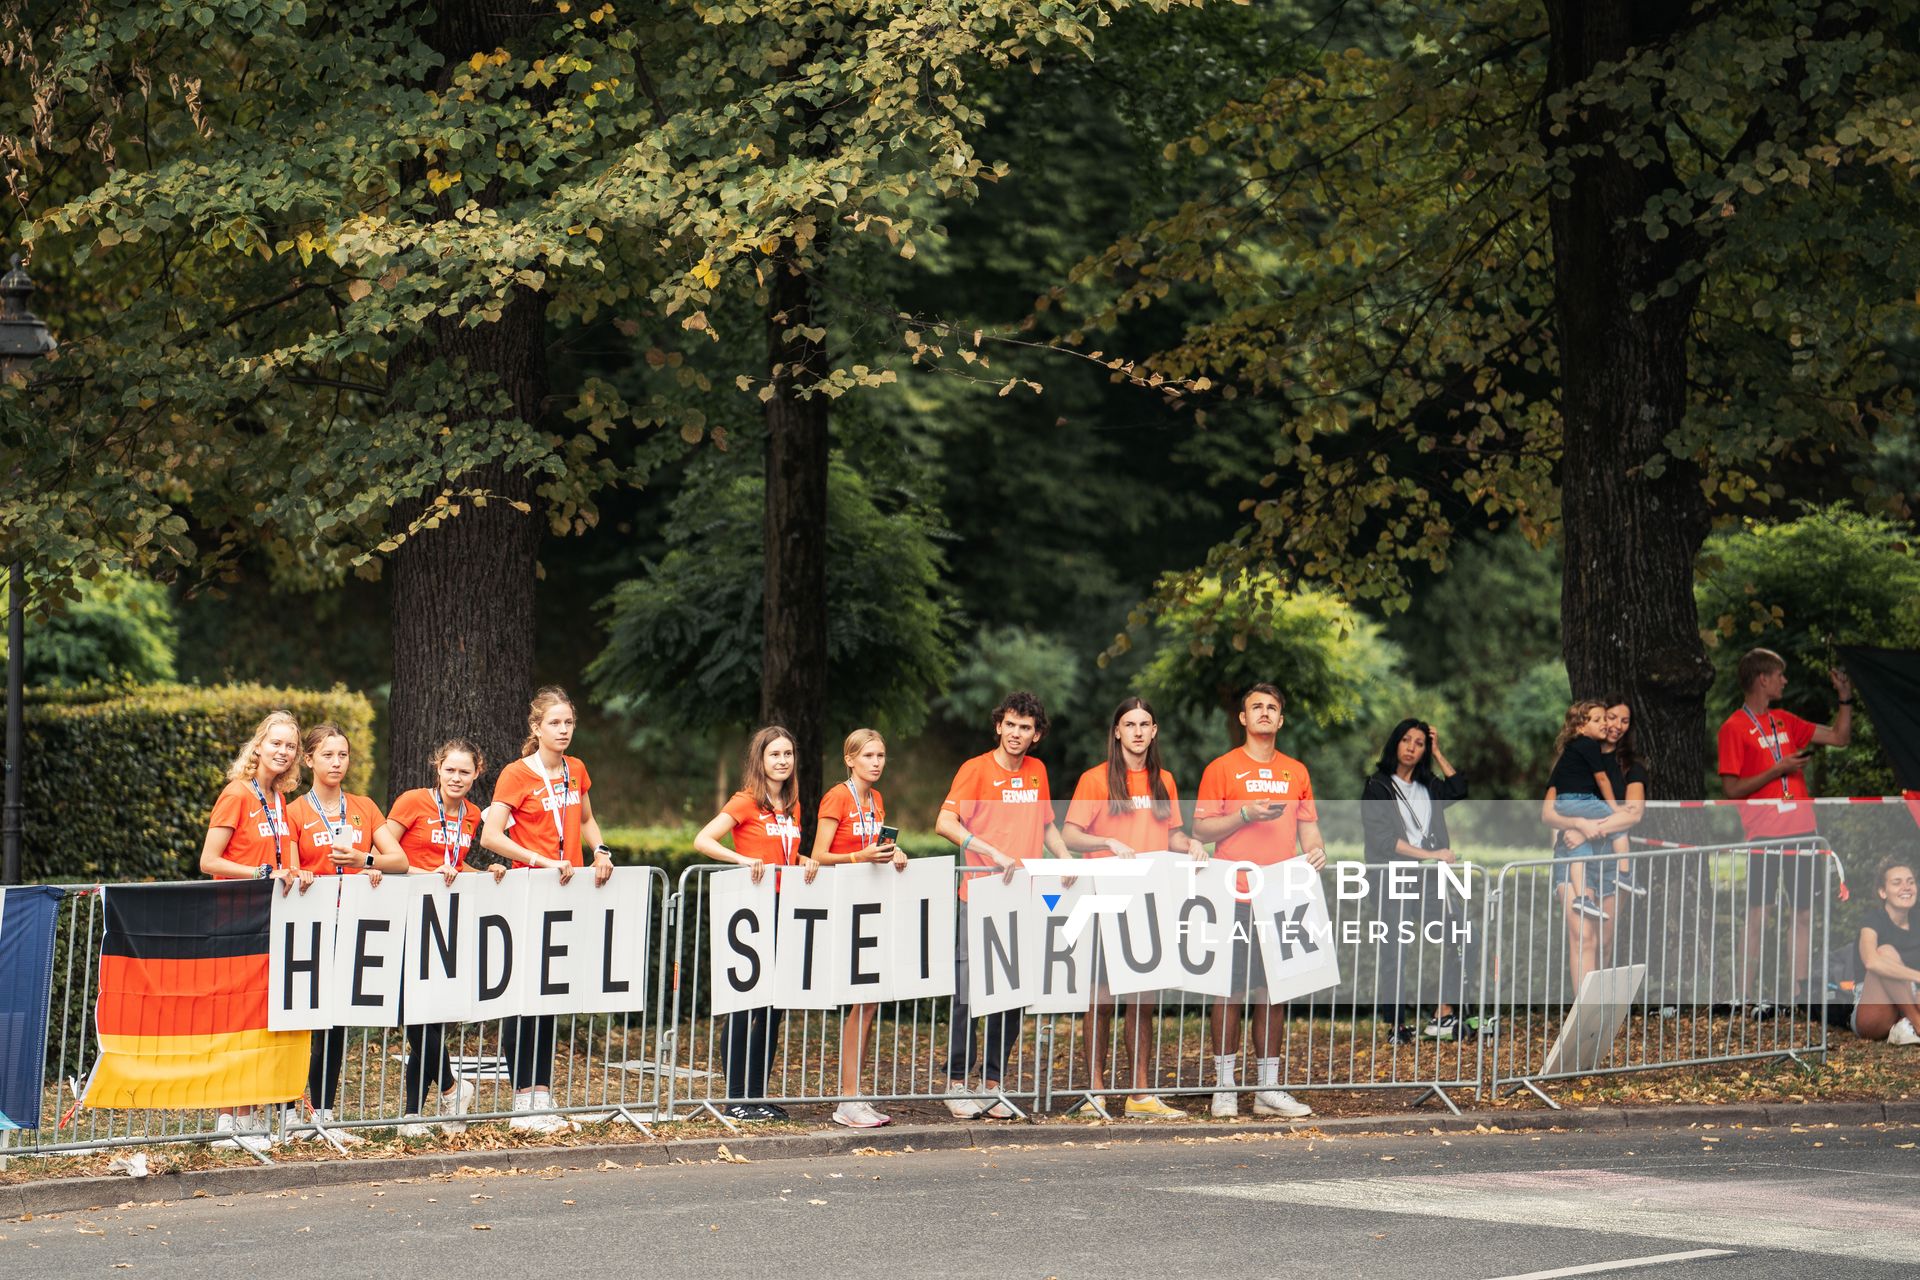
x: 1000, y: 782
x: 1238, y: 776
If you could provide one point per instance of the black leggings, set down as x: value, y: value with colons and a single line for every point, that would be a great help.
x: 426, y: 1060
x: 323, y: 1067
x: 1003, y: 1029
x: 749, y: 1051
x: 529, y: 1047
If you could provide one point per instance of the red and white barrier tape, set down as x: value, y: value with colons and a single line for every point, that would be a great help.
x: 1911, y: 797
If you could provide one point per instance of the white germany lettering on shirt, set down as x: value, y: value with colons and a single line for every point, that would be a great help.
x: 550, y: 803
x: 1268, y: 786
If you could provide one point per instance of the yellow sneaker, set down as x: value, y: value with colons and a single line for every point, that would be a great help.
x: 1153, y: 1109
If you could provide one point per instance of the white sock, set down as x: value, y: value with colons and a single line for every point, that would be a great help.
x: 1223, y: 1070
x: 1269, y: 1072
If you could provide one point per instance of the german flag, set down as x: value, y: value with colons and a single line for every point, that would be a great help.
x: 182, y: 1015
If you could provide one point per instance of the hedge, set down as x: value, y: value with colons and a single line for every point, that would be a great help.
x: 117, y: 785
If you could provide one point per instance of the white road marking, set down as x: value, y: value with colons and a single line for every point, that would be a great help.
x: 1595, y: 1268
x: 1795, y: 1215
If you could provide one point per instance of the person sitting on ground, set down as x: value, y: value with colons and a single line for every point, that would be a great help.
x: 1887, y: 1006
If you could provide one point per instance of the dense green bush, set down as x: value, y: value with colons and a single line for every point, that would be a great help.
x: 120, y: 627
x: 118, y: 783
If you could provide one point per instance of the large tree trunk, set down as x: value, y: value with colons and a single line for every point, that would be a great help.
x: 463, y: 635
x: 1631, y: 530
x: 793, y: 673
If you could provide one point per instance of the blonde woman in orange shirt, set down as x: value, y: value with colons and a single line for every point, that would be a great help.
x: 852, y: 817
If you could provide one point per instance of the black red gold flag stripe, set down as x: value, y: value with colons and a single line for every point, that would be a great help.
x: 182, y: 1015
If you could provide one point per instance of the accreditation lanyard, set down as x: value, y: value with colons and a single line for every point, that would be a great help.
x: 276, y: 818
x: 333, y: 833
x: 864, y: 825
x: 1772, y: 745
x: 450, y: 837
x: 788, y: 843
x: 558, y: 807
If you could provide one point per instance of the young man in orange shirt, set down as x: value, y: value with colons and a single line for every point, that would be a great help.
x: 998, y: 813
x: 1256, y: 805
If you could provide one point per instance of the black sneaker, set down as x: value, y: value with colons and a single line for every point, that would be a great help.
x: 1402, y: 1035
x: 770, y: 1112
x: 742, y: 1111
x: 1586, y: 906
x: 1761, y: 1010
x: 1625, y: 882
x: 1445, y: 1027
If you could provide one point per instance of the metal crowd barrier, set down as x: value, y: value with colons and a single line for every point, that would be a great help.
x: 1500, y: 954
x: 906, y: 1056
x: 1705, y: 992
x: 605, y: 1066
x: 1332, y: 1039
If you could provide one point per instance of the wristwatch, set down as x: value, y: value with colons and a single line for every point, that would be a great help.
x: 603, y: 849
x: 369, y: 862
x: 262, y: 872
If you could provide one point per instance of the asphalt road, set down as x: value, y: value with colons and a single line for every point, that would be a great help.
x: 1731, y: 1203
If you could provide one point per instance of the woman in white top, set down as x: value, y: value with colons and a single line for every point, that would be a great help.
x: 1403, y: 813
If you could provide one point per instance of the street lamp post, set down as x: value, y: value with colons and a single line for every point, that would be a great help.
x: 23, y: 338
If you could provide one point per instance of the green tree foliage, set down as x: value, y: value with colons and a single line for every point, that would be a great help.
x: 121, y: 629
x: 1830, y: 577
x: 1343, y: 680
x: 1484, y: 637
x: 1599, y: 270
x: 995, y: 661
x: 684, y: 637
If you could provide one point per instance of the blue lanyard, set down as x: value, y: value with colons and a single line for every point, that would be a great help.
x: 872, y: 828
x: 313, y: 798
x: 1772, y: 744
x: 451, y: 838
x: 274, y: 822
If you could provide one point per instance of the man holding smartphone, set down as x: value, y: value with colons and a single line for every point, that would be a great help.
x: 998, y: 813
x: 1255, y: 805
x: 1763, y: 758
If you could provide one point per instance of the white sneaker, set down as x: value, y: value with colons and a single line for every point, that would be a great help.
x: 1902, y: 1032
x: 526, y: 1102
x: 961, y: 1107
x: 1226, y: 1106
x: 1278, y: 1102
x: 859, y: 1115
x: 227, y: 1124
x: 411, y: 1126
x: 457, y: 1101
x: 543, y: 1101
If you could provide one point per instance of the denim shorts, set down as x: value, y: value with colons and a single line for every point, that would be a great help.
x: 1601, y: 872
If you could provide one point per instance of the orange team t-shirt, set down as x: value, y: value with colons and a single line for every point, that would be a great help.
x: 318, y: 837
x: 1236, y: 778
x: 532, y: 799
x: 425, y: 838
x: 771, y: 835
x: 1137, y: 828
x: 1747, y: 746
x: 1008, y: 808
x: 238, y: 809
x: 860, y: 821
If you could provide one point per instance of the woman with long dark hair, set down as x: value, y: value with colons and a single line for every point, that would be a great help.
x: 1126, y: 806
x: 763, y: 821
x: 1590, y: 940
x: 1403, y: 814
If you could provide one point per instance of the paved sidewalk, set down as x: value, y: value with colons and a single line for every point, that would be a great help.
x: 62, y: 1195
